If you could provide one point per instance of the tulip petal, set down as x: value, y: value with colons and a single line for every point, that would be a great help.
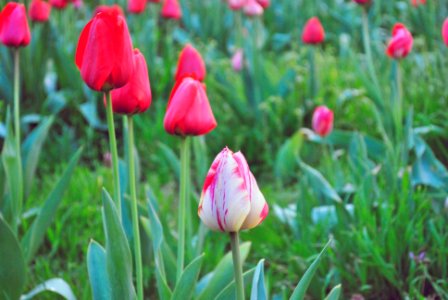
x: 82, y: 42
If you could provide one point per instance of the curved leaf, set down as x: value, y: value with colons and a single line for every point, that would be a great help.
x: 55, y: 285
x: 229, y: 292
x: 96, y: 266
x: 188, y: 279
x: 335, y: 293
x: 258, y: 286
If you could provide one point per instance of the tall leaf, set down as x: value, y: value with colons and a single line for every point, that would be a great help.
x: 258, y: 286
x: 188, y: 279
x: 97, y: 268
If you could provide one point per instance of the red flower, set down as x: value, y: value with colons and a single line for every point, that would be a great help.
x: 416, y: 3
x: 104, y: 52
x: 189, y: 111
x: 14, y: 29
x: 236, y: 4
x: 171, y: 10
x: 313, y: 32
x: 135, y: 97
x: 252, y: 8
x: 362, y: 2
x: 445, y: 31
x: 264, y: 3
x: 190, y: 64
x: 323, y: 121
x: 39, y: 11
x: 136, y: 6
x: 401, y: 43
x: 105, y: 8
x: 59, y: 4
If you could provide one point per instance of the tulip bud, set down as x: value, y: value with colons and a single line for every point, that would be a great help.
x: 135, y: 97
x: 252, y: 8
x: 115, y: 8
x: 14, y: 29
x: 231, y: 200
x: 313, y: 32
x: 104, y: 52
x: 445, y: 31
x: 237, y: 60
x: 264, y: 3
x: 171, y: 10
x: 236, y: 4
x: 323, y: 121
x: 39, y: 11
x: 190, y: 64
x: 401, y: 43
x: 136, y: 6
x: 363, y: 2
x: 59, y: 4
x: 189, y: 111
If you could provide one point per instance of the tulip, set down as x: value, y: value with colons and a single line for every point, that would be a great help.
x: 252, y: 8
x: 236, y: 4
x: 105, y: 8
x: 264, y: 3
x: 14, y: 29
x: 231, y: 200
x: 416, y: 3
x: 190, y: 64
x: 136, y: 6
x: 445, y: 31
x: 323, y: 121
x: 59, y: 4
x: 237, y: 60
x: 363, y: 2
x: 313, y: 32
x: 39, y: 11
x: 171, y: 10
x: 401, y: 43
x: 189, y: 111
x: 78, y: 4
x: 135, y: 96
x: 104, y: 52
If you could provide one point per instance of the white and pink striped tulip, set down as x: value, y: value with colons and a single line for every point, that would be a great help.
x: 231, y: 200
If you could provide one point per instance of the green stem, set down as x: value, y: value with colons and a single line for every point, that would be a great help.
x: 16, y: 97
x: 239, y: 29
x: 183, y: 198
x: 237, y: 265
x: 113, y: 151
x: 313, y: 75
x: 134, y: 212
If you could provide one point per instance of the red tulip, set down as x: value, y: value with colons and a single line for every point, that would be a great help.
x: 236, y: 4
x: 313, y: 32
x: 445, y: 31
x: 14, y: 29
x: 136, y: 6
x: 105, y: 8
x: 171, y: 10
x: 401, y: 43
x: 189, y: 111
x: 416, y: 3
x: 59, y: 4
x: 104, y: 52
x: 135, y: 97
x: 323, y: 121
x: 39, y: 11
x: 362, y: 2
x: 252, y: 8
x: 264, y: 3
x: 190, y: 64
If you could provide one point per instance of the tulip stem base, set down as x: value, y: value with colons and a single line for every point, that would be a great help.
x: 134, y: 210
x: 113, y: 151
x: 237, y: 265
x: 183, y: 203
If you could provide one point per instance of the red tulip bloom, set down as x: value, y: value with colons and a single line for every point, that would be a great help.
x: 401, y: 43
x: 104, y: 52
x: 190, y: 64
x: 135, y: 97
x: 445, y: 31
x: 136, y: 6
x: 313, y: 32
x: 14, y: 29
x: 362, y: 2
x: 252, y: 8
x: 171, y: 10
x: 59, y: 4
x: 189, y: 111
x: 39, y: 11
x: 264, y: 3
x: 323, y: 121
x: 105, y: 8
x: 416, y: 3
x: 236, y: 4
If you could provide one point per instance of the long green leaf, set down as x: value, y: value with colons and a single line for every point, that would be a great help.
x: 97, y: 268
x: 118, y: 254
x: 258, y: 286
x: 33, y: 238
x: 319, y: 182
x: 302, y: 286
x: 188, y: 279
x: 335, y: 293
x: 229, y: 292
x: 12, y: 264
x: 55, y: 285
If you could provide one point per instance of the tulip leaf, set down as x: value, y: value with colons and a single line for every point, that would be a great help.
x: 222, y: 274
x: 258, y: 286
x: 118, y: 254
x: 34, y: 237
x: 97, y: 268
x: 229, y: 292
x: 171, y: 158
x: 335, y: 293
x: 319, y: 183
x: 31, y: 149
x: 55, y: 285
x: 188, y: 279
x: 12, y: 264
x: 287, y: 155
x: 302, y: 286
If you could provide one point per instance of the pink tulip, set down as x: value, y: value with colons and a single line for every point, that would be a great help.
x: 136, y: 6
x: 171, y: 10
x: 237, y: 60
x: 231, y: 200
x: 236, y: 4
x: 445, y: 31
x: 313, y: 32
x: 252, y: 8
x: 362, y: 2
x: 323, y: 121
x: 264, y: 3
x: 416, y: 3
x: 401, y: 43
x: 190, y: 64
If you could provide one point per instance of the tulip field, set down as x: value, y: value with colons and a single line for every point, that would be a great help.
x: 224, y: 149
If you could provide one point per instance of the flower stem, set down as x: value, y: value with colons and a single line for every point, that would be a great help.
x: 16, y: 98
x: 237, y: 265
x: 113, y: 151
x: 183, y: 198
x: 135, y: 228
x: 313, y: 75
